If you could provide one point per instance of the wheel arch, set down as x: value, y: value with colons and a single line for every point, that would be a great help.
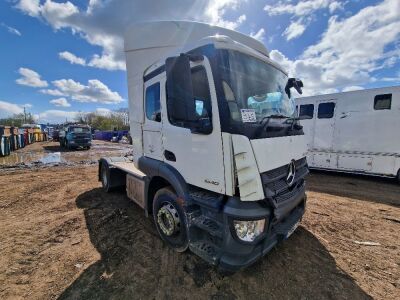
x: 161, y: 175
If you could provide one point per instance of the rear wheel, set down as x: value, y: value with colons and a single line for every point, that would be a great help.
x: 105, y: 177
x: 398, y: 176
x: 170, y: 219
x: 2, y: 146
x: 8, y: 146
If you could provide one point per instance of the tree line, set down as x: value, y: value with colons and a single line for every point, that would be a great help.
x: 17, y: 120
x: 108, y: 122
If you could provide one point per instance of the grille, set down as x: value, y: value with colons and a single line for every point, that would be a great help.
x: 277, y: 190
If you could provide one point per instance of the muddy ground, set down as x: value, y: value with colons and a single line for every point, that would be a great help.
x: 62, y: 237
x: 51, y: 154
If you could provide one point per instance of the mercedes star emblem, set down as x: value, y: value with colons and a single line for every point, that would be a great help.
x: 291, y: 173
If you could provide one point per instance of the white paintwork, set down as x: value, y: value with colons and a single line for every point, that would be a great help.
x: 230, y: 178
x: 199, y: 157
x: 249, y: 179
x: 271, y: 153
x: 128, y: 167
x: 358, y: 138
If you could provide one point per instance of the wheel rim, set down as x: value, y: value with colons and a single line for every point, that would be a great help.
x: 168, y: 219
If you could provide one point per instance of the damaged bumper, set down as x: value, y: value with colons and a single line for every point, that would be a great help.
x: 213, y: 236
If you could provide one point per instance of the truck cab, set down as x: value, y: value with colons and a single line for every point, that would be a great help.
x: 219, y: 157
x: 76, y: 136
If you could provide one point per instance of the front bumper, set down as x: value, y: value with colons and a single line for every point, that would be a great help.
x: 213, y: 237
x: 78, y: 144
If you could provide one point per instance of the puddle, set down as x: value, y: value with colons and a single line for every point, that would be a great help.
x: 47, y: 153
x: 51, y: 158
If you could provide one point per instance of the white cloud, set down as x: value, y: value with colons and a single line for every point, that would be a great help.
x: 60, y: 102
x: 11, y: 30
x: 301, y: 8
x: 56, y: 116
x: 7, y: 109
x: 107, y: 62
x: 352, y: 88
x: 104, y: 22
x: 30, y: 78
x: 72, y: 58
x: 103, y: 111
x: 259, y: 35
x: 51, y: 92
x: 302, y: 13
x: 335, y: 5
x: 350, y: 50
x: 294, y: 30
x: 30, y: 7
x: 94, y: 91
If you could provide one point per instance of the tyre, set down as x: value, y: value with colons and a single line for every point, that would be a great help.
x: 398, y: 176
x: 2, y: 146
x: 8, y: 146
x: 170, y: 219
x: 105, y: 177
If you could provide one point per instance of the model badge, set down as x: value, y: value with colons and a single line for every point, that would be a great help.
x: 291, y: 173
x: 211, y: 182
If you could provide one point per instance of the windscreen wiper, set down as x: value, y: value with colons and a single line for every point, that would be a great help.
x: 276, y: 116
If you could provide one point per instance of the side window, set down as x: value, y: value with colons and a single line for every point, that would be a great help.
x: 326, y: 110
x: 383, y: 101
x: 306, y: 111
x: 153, y: 111
x: 201, y: 91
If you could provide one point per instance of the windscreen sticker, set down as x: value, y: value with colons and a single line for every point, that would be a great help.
x: 248, y: 115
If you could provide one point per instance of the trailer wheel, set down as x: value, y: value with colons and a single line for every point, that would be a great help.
x: 105, y: 177
x: 170, y: 219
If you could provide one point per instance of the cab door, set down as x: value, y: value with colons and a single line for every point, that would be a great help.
x: 152, y: 126
x: 198, y: 157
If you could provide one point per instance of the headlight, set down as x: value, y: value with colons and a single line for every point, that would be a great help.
x: 248, y: 231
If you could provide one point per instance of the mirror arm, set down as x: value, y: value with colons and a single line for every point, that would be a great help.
x: 194, y: 57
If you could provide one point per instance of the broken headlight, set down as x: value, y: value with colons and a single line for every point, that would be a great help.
x: 248, y: 231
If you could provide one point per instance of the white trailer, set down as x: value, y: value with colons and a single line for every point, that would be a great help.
x: 218, y: 157
x: 355, y: 132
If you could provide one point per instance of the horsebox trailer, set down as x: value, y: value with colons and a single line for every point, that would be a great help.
x: 355, y: 132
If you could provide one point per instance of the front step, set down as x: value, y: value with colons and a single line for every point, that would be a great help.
x: 206, y: 250
x: 207, y: 225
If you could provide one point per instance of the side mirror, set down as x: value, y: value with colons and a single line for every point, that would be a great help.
x: 296, y: 83
x: 180, y: 102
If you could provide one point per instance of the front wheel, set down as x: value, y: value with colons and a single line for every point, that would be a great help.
x: 170, y: 219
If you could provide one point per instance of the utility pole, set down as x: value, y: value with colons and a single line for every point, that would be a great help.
x: 24, y: 115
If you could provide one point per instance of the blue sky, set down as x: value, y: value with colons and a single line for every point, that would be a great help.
x: 61, y: 57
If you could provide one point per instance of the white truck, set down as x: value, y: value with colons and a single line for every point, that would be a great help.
x: 355, y: 132
x: 218, y: 157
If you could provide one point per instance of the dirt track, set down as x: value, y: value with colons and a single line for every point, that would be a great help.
x: 63, y: 237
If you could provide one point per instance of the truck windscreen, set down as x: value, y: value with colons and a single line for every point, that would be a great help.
x: 253, y: 88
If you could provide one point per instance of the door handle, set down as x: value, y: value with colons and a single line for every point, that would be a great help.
x: 169, y: 155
